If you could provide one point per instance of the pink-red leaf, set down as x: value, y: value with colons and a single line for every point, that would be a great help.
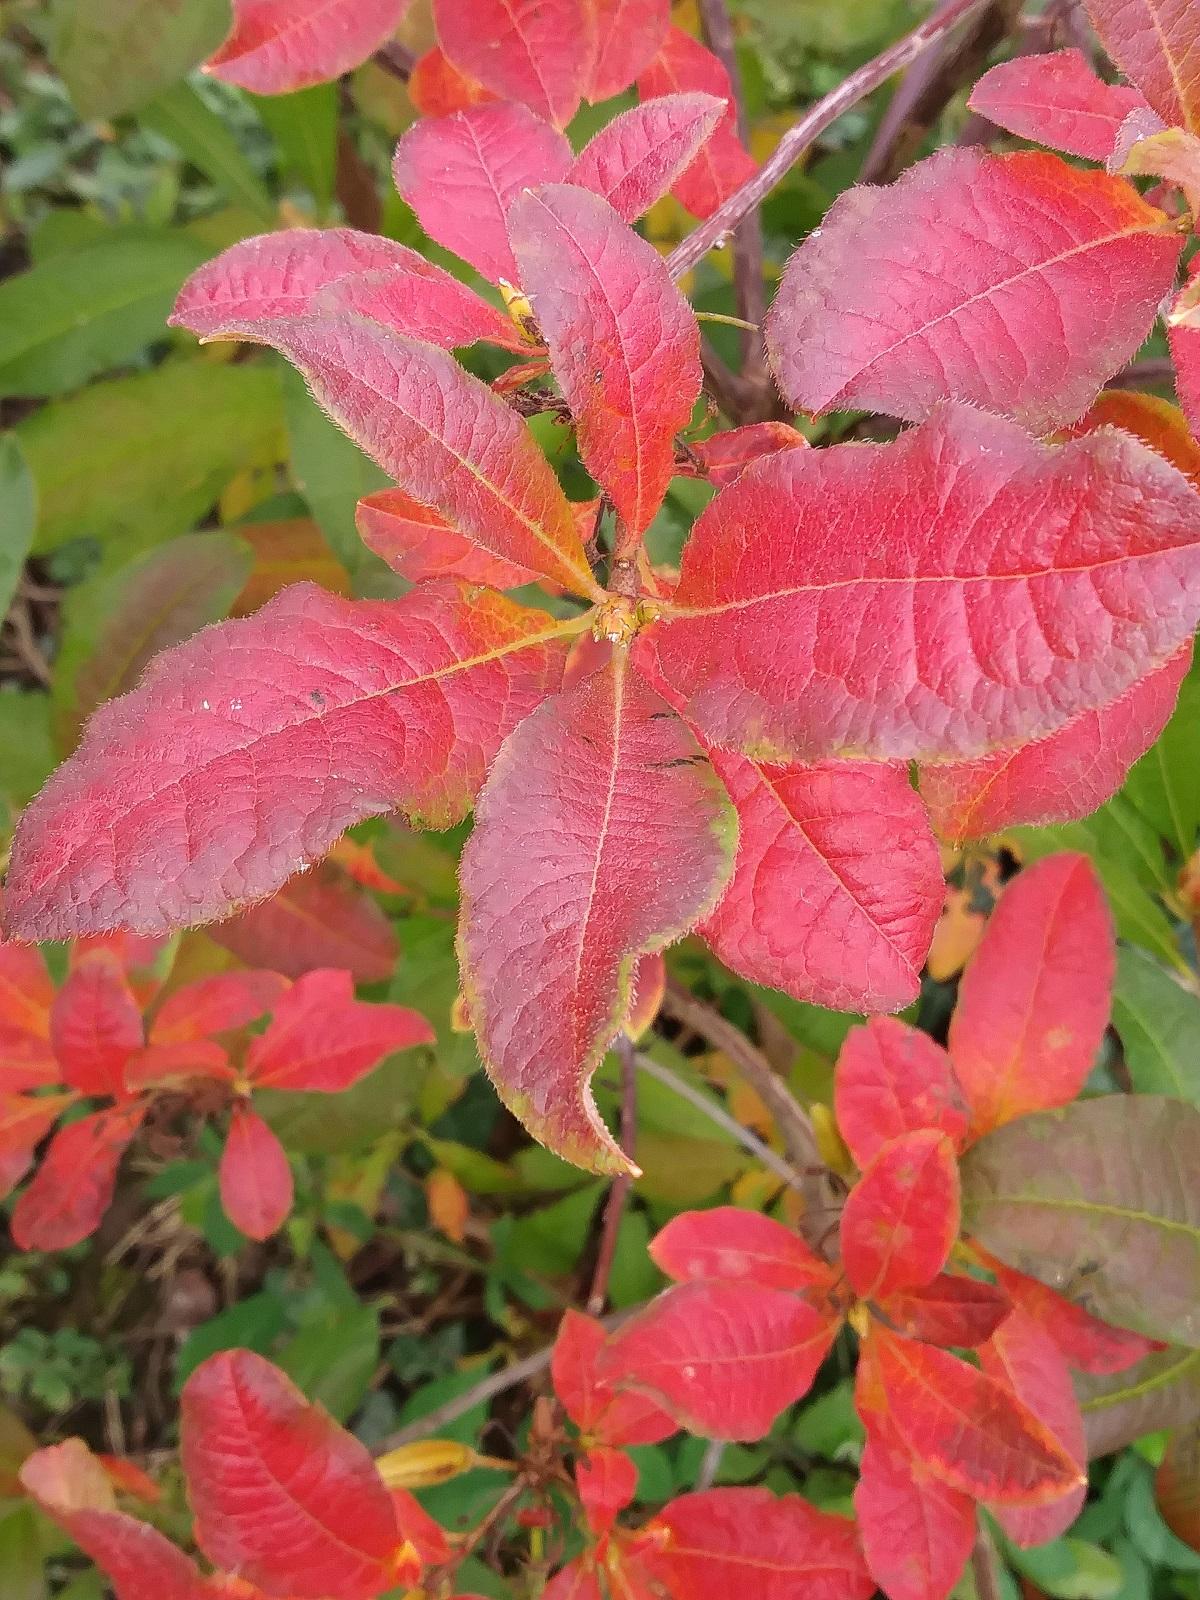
x: 216, y: 1005
x: 602, y: 834
x: 737, y: 1246
x: 538, y: 52
x: 607, y: 1481
x: 304, y: 270
x: 1056, y: 100
x: 902, y: 1216
x: 1156, y: 44
x: 25, y: 1120
x: 281, y: 1495
x: 460, y: 174
x: 1015, y: 282
x: 255, y: 1178
x: 629, y: 34
x: 725, y: 456
x: 917, y: 1532
x: 73, y: 1187
x: 1034, y: 1002
x: 95, y: 1026
x: 1185, y: 350
x: 1088, y: 1344
x: 1150, y: 418
x: 582, y: 1371
x: 246, y: 752
x: 891, y: 1080
x: 623, y: 342
x: 952, y: 1310
x: 634, y: 160
x: 576, y: 1581
x: 684, y: 66
x: 321, y: 1038
x: 26, y: 993
x: 278, y: 46
x: 419, y: 544
x: 161, y: 1066
x: 318, y: 919
x: 963, y: 619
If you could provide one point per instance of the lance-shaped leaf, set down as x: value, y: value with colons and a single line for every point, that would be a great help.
x: 891, y: 1080
x: 901, y: 1218
x: 629, y: 34
x: 255, y: 1178
x: 1150, y: 418
x: 1087, y: 1344
x: 247, y: 751
x: 838, y: 883
x: 602, y: 833
x: 537, y: 52
x: 318, y: 919
x: 917, y: 1532
x: 438, y: 89
x: 634, y: 159
x: 216, y: 1005
x: 586, y: 1381
x: 607, y: 1482
x: 303, y: 270
x: 623, y: 342
x: 1056, y: 100
x: 725, y: 456
x: 1034, y: 1002
x: 460, y: 174
x: 73, y: 1187
x: 1155, y: 43
x: 320, y: 1038
x: 281, y: 1495
x: 1015, y: 282
x: 1060, y: 778
x: 420, y: 544
x: 723, y: 1542
x: 968, y: 615
x: 1098, y: 1198
x: 95, y: 1026
x: 1163, y: 1391
x: 278, y: 46
x: 735, y: 1245
x: 971, y: 1431
x: 724, y: 1358
x: 952, y: 1310
x: 684, y: 66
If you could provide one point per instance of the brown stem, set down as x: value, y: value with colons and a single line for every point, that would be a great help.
x: 619, y: 1190
x: 985, y: 1568
x: 810, y: 127
x: 396, y: 59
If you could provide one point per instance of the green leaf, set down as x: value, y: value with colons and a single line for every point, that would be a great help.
x: 1070, y: 1569
x: 254, y: 1324
x: 304, y: 127
x: 1165, y: 784
x: 1159, y: 1024
x: 1099, y: 1201
x: 331, y: 1124
x: 21, y: 1569
x: 334, y: 1358
x: 331, y: 473
x: 116, y: 55
x: 182, y: 118
x: 1150, y: 1533
x: 18, y: 516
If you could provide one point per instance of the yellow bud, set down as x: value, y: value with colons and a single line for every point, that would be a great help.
x: 519, y: 307
x: 426, y: 1463
x: 830, y: 1145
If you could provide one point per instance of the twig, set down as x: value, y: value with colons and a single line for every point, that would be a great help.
x: 618, y: 1193
x: 810, y: 127
x: 396, y: 59
x: 1144, y: 374
x: 710, y: 1464
x: 985, y: 1568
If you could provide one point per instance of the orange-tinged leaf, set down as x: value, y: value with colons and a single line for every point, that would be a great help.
x: 684, y: 66
x: 449, y: 1204
x: 216, y: 1005
x: 583, y: 1376
x: 917, y: 1532
x: 725, y: 456
x: 419, y: 543
x: 320, y: 1038
x: 607, y: 1481
x: 1088, y: 1344
x: 901, y: 1218
x: 128, y: 1478
x: 437, y: 88
x: 1034, y: 1001
x: 649, y: 986
x: 893, y: 1079
x: 634, y: 159
x: 255, y: 1178
x: 602, y: 834
x: 318, y: 919
x: 1157, y: 45
x: 1148, y: 417
x: 278, y: 46
x: 25, y: 1120
x: 281, y: 1495
x: 1056, y: 100
x: 629, y: 34
x: 537, y: 52
x: 1170, y: 154
x: 952, y: 1310
x: 73, y: 1187
x: 359, y: 862
x: 288, y: 552
x: 1177, y: 1485
x: 26, y: 991
x: 737, y: 1246
x: 168, y: 1066
x: 95, y: 1026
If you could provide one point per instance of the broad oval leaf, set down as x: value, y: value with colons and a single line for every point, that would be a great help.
x: 917, y: 1532
x: 281, y: 1495
x: 602, y: 834
x: 1056, y: 100
x: 623, y: 342
x: 116, y: 57
x: 684, y: 66
x: 1158, y: 1021
x: 1097, y: 1200
x: 735, y: 1245
x: 419, y: 544
x: 629, y: 34
x: 634, y: 159
x: 255, y: 1177
x: 891, y: 1080
x: 1156, y: 44
x: 1033, y: 1004
x: 1087, y: 1344
x: 95, y: 1026
x: 278, y: 46
x: 918, y: 599
x: 537, y: 52
x: 900, y: 1220
x: 309, y: 716
x: 1014, y: 282
x: 73, y: 1187
x: 321, y: 1038
x: 460, y: 174
x: 319, y: 918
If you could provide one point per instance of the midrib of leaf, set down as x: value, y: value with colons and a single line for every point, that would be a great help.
x: 620, y: 667
x: 1137, y: 1391
x: 1172, y: 64
x: 1166, y: 1058
x: 1190, y: 1230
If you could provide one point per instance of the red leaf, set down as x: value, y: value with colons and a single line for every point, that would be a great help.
x: 726, y: 1542
x: 725, y: 456
x: 1056, y: 100
x: 837, y: 887
x: 607, y: 1482
x: 581, y: 1370
x: 924, y: 638
x: 968, y: 1429
x: 917, y: 1532
x: 461, y: 174
x: 538, y: 52
x: 683, y: 66
x: 1185, y: 350
x: 1088, y: 1344
x: 624, y: 344
x: 420, y: 544
x: 318, y: 919
x: 1034, y: 1001
x: 630, y: 34
x: 281, y: 1495
x: 27, y: 993
x: 161, y: 1066
x: 735, y: 1245
x: 575, y: 1582
x: 634, y: 160
x: 303, y: 271
x: 245, y: 753
x: 1155, y: 421
x: 1015, y: 282
x: 256, y: 1180
x: 73, y: 1187
x: 1023, y: 1356
x: 1060, y: 778
x: 280, y: 45
x: 24, y: 1122
x: 1154, y: 42
x: 724, y: 1358
x: 891, y: 1080
x: 321, y: 1038
x: 437, y: 88
x: 95, y: 1026
x: 902, y: 1216
x: 649, y: 986
x: 216, y: 1005
x: 952, y: 1310
x: 602, y: 834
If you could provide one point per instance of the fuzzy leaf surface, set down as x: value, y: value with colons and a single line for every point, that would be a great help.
x: 278, y: 46
x: 420, y: 544
x: 634, y: 159
x: 683, y: 66
x: 537, y: 52
x: 629, y: 34
x: 1156, y: 44
x: 1056, y: 100
x: 725, y: 456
